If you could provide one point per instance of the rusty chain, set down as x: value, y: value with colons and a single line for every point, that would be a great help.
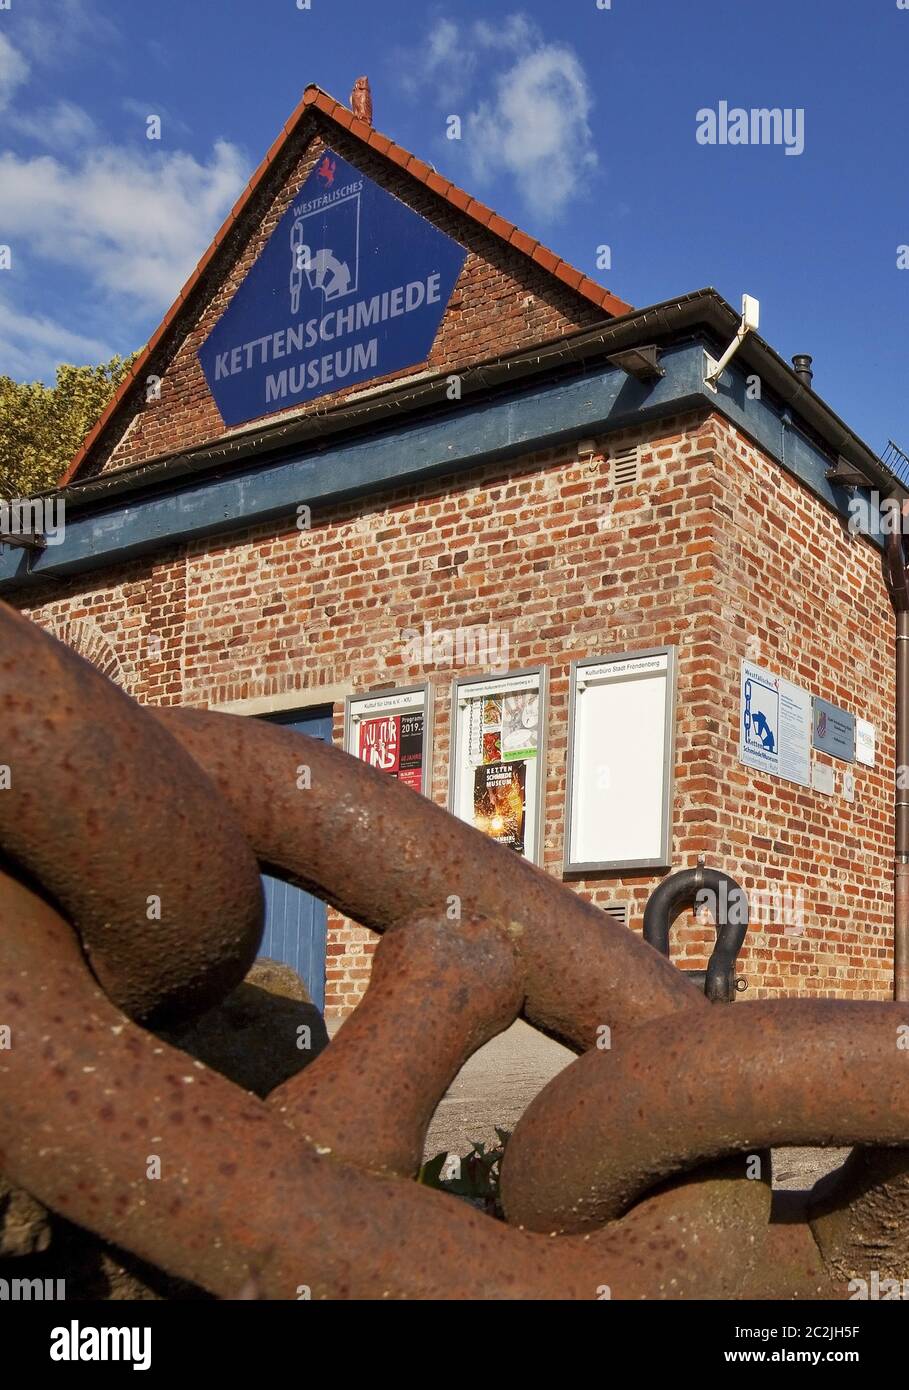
x: 132, y: 842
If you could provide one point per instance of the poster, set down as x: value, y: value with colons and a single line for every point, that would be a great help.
x: 394, y: 744
x: 521, y: 725
x: 392, y: 732
x: 500, y: 802
x: 775, y: 725
x: 497, y: 758
x: 795, y: 738
x: 505, y: 728
x: 410, y: 762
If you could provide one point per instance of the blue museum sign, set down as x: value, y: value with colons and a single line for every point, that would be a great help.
x: 351, y: 285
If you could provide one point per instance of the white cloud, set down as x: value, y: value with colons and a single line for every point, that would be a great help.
x: 524, y: 105
x: 443, y: 45
x: 100, y: 233
x: 14, y: 69
x: 57, y: 30
x: 452, y: 57
x: 58, y: 126
x: 32, y: 345
x: 441, y: 65
x: 535, y: 129
x: 130, y: 223
x: 514, y: 34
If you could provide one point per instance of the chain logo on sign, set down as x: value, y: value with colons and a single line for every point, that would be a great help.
x: 334, y: 268
x: 759, y: 716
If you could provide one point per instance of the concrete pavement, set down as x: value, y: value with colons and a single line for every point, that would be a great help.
x: 500, y: 1080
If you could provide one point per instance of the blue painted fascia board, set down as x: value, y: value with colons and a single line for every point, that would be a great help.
x: 530, y: 421
x: 777, y: 433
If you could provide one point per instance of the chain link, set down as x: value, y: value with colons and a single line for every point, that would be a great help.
x: 130, y: 897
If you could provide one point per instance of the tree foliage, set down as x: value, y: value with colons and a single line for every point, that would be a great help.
x: 41, y: 427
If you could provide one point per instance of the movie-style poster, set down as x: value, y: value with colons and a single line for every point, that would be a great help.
x: 500, y: 802
x: 394, y: 744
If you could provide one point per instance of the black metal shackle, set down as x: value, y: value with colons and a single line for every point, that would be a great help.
x: 686, y: 889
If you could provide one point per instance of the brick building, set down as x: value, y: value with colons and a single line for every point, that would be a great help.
x: 524, y: 497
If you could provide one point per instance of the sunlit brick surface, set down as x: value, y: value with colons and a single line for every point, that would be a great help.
x: 715, y: 549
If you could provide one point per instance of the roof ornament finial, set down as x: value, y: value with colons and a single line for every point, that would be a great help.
x: 361, y: 100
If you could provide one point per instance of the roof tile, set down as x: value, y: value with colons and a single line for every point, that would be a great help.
x: 571, y: 277
x: 522, y: 242
x: 438, y: 184
x: 546, y: 259
x: 499, y: 226
x: 419, y: 169
x: 397, y: 155
x: 590, y: 289
x: 479, y: 212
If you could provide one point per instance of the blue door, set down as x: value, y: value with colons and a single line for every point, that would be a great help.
x: 295, y: 922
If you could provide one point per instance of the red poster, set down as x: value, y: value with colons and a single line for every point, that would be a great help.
x: 380, y: 743
x: 394, y: 744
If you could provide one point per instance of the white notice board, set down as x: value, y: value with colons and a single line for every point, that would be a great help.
x: 865, y: 742
x: 621, y: 752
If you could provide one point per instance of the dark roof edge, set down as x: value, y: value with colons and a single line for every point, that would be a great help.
x: 704, y: 309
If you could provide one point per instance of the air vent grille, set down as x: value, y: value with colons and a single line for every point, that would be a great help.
x: 625, y: 465
x: 618, y: 912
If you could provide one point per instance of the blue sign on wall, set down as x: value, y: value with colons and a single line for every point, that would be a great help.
x: 351, y: 285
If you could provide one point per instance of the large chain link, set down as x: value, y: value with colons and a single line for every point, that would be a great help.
x: 133, y: 841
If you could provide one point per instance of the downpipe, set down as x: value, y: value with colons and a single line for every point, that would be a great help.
x: 899, y: 596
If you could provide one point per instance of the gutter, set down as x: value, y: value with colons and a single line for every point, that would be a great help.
x: 704, y: 309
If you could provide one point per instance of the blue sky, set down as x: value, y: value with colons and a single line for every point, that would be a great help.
x: 578, y: 123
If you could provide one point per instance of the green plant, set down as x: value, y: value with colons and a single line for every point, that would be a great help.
x: 476, y: 1176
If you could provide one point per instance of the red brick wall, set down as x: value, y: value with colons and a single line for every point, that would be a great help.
x: 801, y: 596
x: 712, y: 539
x: 502, y: 302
